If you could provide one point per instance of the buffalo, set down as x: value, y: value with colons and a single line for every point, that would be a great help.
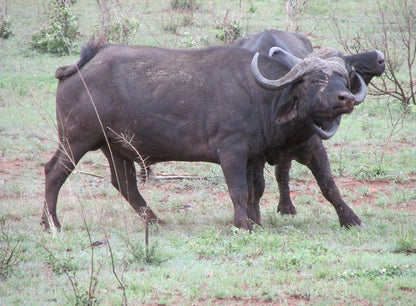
x: 224, y: 105
x: 311, y: 152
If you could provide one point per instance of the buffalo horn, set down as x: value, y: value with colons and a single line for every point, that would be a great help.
x: 289, y: 57
x: 326, y: 134
x: 360, y: 96
x: 302, y: 68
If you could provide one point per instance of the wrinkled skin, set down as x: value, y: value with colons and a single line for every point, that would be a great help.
x: 203, y: 106
x: 311, y: 152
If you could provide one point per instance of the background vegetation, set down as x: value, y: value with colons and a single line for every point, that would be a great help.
x: 198, y: 257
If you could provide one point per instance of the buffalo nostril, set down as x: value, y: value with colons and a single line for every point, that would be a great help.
x: 346, y: 99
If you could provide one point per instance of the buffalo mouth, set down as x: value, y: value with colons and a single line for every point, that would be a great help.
x: 326, y: 130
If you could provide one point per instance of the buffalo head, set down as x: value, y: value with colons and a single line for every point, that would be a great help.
x: 317, y: 89
x: 367, y: 64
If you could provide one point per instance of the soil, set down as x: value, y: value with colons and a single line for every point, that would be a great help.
x: 12, y: 170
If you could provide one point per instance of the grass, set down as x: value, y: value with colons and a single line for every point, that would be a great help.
x: 199, y: 257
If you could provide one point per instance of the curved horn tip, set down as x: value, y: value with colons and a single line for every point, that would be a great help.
x: 289, y: 57
x: 274, y: 50
x: 326, y: 134
x: 264, y: 82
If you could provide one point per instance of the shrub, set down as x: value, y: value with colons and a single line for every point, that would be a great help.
x: 123, y: 31
x: 117, y: 24
x: 228, y: 32
x: 394, y: 34
x: 59, y: 33
x: 184, y: 4
x: 5, y: 31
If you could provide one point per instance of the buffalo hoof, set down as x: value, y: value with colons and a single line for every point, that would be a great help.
x: 254, y: 217
x: 47, y: 228
x: 256, y: 222
x: 149, y: 216
x: 361, y: 226
x: 243, y: 224
x: 353, y: 221
x: 286, y: 209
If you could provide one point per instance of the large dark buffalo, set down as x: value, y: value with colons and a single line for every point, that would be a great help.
x: 311, y: 152
x: 211, y: 105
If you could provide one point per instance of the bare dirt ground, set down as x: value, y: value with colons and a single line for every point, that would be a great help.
x: 14, y: 169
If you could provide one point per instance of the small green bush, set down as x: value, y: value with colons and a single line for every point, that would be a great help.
x: 59, y: 34
x: 123, y: 32
x: 229, y: 32
x: 406, y: 243
x: 5, y: 31
x: 117, y: 23
x: 184, y: 4
x: 170, y: 28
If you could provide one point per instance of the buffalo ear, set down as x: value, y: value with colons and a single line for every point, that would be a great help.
x: 287, y: 109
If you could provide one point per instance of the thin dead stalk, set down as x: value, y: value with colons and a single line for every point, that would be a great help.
x: 146, y: 232
x: 93, y: 280
x: 120, y: 281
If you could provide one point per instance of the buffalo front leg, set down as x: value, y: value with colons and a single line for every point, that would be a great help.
x: 235, y: 174
x: 317, y: 161
x: 255, y: 180
x: 123, y: 178
x: 282, y: 169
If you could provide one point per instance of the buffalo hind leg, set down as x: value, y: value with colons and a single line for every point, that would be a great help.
x: 123, y: 178
x: 57, y: 170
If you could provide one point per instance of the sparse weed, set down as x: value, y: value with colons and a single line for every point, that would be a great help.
x: 185, y: 4
x: 10, y: 251
x: 406, y: 242
x: 383, y: 201
x: 406, y: 245
x: 170, y: 27
x: 61, y: 263
x: 387, y: 271
x: 187, y: 20
x: 252, y: 8
x: 138, y: 252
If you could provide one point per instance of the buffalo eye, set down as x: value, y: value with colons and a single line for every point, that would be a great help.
x: 320, y: 81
